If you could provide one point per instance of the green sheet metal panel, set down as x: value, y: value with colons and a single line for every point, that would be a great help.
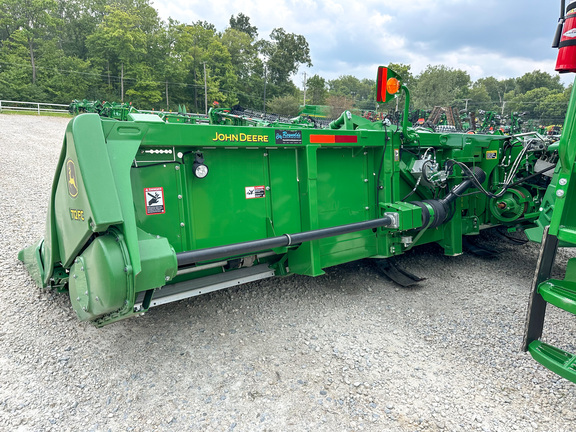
x: 285, y: 202
x: 343, y: 184
x: 156, y: 195
x: 231, y: 204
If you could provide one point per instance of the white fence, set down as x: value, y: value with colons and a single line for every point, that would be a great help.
x: 33, y: 106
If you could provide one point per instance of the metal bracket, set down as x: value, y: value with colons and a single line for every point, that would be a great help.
x: 395, y: 218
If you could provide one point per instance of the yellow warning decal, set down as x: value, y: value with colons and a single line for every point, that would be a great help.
x: 492, y: 154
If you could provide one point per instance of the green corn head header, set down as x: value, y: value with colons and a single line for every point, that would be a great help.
x: 145, y: 210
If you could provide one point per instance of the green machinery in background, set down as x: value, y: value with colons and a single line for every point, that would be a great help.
x: 120, y: 111
x: 561, y: 227
x: 146, y: 211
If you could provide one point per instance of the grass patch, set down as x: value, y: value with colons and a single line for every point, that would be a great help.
x: 35, y: 113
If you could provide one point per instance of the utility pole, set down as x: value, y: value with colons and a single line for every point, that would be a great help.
x: 304, y: 82
x: 264, y: 90
x: 205, y: 92
x: 167, y: 104
x: 122, y: 84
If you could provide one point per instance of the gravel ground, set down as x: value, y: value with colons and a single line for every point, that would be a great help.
x: 347, y: 351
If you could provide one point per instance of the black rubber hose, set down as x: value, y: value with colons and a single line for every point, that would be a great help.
x: 441, y: 208
x: 192, y: 257
x: 458, y: 190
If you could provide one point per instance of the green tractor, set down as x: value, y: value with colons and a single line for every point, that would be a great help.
x: 561, y: 227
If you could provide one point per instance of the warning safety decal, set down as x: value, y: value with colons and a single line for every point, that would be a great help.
x: 154, y: 198
x: 255, y: 192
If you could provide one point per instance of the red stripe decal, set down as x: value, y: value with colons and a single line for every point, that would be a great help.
x: 345, y: 139
x: 333, y: 139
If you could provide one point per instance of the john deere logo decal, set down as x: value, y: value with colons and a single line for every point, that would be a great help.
x: 71, y: 176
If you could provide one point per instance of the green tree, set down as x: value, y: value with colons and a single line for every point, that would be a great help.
x: 33, y: 18
x: 339, y: 104
x: 64, y: 77
x: 286, y: 106
x: 241, y: 23
x: 316, y: 90
x: 144, y: 91
x: 285, y: 52
x: 440, y: 86
x: 362, y: 92
x: 247, y: 66
x: 79, y: 19
x: 530, y: 102
x: 538, y: 79
x: 478, y: 98
x: 180, y: 64
x: 496, y: 90
x: 553, y: 108
x: 119, y: 43
x: 15, y: 72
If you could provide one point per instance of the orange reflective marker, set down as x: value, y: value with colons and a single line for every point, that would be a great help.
x: 387, y: 84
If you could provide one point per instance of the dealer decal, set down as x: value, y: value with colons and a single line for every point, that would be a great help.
x: 288, y: 136
x: 154, y: 198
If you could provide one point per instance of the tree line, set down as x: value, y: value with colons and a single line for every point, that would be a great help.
x: 120, y: 50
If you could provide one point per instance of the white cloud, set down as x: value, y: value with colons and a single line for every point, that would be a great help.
x: 353, y: 36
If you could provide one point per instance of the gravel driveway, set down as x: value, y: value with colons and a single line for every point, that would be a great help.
x: 348, y: 351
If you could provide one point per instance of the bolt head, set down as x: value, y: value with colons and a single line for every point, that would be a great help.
x: 177, y: 167
x: 559, y: 193
x: 563, y: 181
x: 182, y: 224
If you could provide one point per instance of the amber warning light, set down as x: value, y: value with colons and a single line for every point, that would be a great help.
x: 388, y: 84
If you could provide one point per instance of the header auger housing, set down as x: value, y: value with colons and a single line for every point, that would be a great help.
x: 147, y: 211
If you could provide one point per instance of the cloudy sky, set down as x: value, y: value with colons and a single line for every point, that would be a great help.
x: 500, y: 38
